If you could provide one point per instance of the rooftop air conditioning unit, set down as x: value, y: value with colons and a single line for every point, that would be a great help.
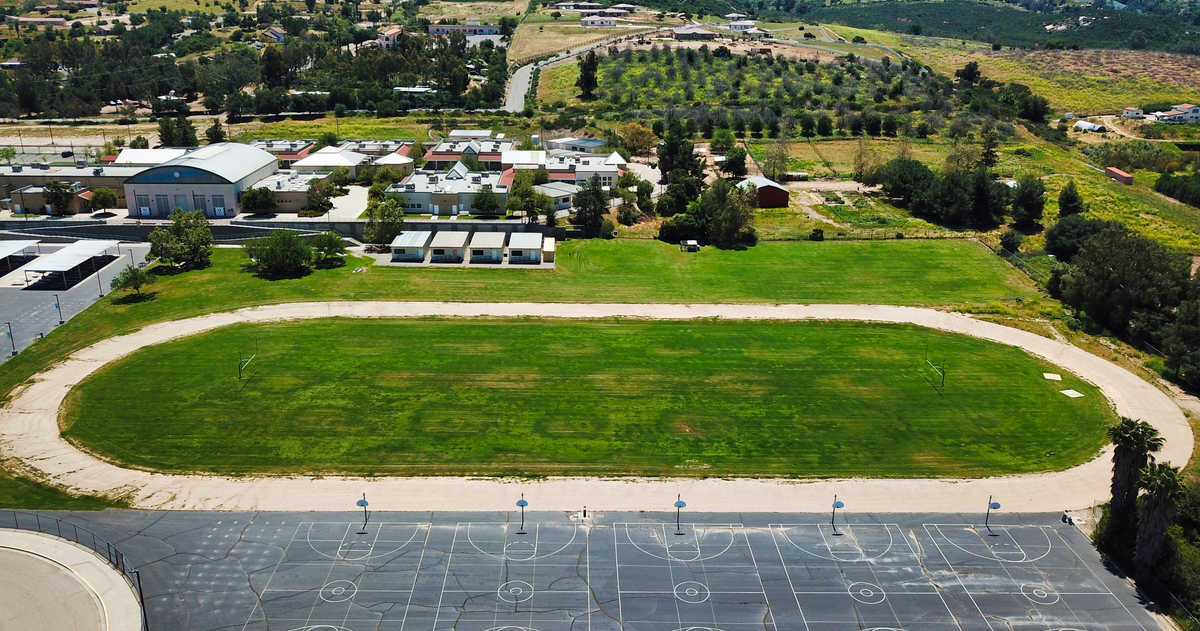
x: 97, y: 171
x: 278, y: 184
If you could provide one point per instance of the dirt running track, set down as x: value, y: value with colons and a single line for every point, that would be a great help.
x: 29, y: 432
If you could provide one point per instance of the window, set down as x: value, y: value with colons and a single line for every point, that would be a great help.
x: 143, y: 201
x: 518, y: 253
x: 476, y: 252
x: 181, y: 202
x: 439, y: 252
x: 163, y: 203
x: 199, y: 203
x: 218, y: 201
x: 399, y: 250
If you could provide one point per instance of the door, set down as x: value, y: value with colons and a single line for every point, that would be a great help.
x: 454, y: 209
x: 181, y: 202
x: 436, y: 209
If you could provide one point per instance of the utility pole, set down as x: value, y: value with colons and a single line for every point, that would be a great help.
x: 11, y: 339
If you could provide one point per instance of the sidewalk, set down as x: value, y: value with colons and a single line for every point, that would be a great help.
x: 51, y: 583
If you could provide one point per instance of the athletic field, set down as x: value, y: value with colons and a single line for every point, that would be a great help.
x: 542, y: 397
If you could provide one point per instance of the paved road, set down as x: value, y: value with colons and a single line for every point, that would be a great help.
x: 29, y: 429
x: 518, y: 86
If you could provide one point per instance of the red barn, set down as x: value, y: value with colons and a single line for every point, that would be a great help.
x: 770, y: 194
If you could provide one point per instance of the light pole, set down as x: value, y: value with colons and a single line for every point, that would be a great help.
x: 11, y: 339
x: 58, y: 305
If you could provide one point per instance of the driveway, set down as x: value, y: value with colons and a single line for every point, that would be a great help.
x: 349, y: 206
x: 518, y: 85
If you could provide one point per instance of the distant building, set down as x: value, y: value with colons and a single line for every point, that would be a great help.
x: 470, y: 134
x: 733, y: 17
x: 1119, y: 175
x: 411, y: 246
x: 47, y: 21
x: 1132, y: 112
x: 1082, y: 126
x: 378, y: 148
x: 148, y: 157
x: 624, y: 7
x: 598, y: 21
x: 770, y: 194
x: 401, y: 164
x: 415, y: 93
x: 758, y: 33
x: 31, y: 199
x: 448, y: 152
x: 287, y: 151
x: 741, y: 25
x: 449, y: 192
x: 488, y: 247
x: 581, y: 145
x: 692, y: 33
x: 577, y: 6
x: 470, y: 28
x: 1191, y: 113
x: 525, y: 247
x: 210, y: 179
x: 562, y: 193
x: 290, y: 188
x: 330, y: 158
x: 388, y: 38
x: 275, y: 34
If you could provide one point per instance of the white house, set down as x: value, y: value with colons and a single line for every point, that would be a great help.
x: 388, y: 38
x: 525, y: 247
x: 741, y: 25
x: 449, y: 246
x: 487, y: 247
x: 1191, y: 113
x: 1132, y: 112
x: 598, y: 21
x: 732, y: 17
x: 563, y: 193
x: 411, y: 245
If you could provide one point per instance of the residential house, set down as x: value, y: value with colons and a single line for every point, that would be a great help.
x: 598, y: 21
x: 275, y: 35
x: 470, y: 28
x: 389, y: 37
x: 693, y: 33
x: 741, y: 25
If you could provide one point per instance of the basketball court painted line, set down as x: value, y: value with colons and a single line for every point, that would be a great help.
x: 29, y: 430
x: 623, y: 571
x: 50, y: 583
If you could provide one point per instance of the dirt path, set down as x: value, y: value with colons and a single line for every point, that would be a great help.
x: 29, y: 432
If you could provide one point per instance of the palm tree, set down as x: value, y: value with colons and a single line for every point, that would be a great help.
x: 1135, y: 441
x: 1164, y: 487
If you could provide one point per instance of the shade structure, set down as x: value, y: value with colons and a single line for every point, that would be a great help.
x: 71, y: 256
x: 9, y: 248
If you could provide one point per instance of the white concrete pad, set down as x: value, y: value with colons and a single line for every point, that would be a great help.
x: 1052, y: 376
x: 1072, y: 393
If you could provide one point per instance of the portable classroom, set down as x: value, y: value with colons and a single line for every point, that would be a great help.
x: 449, y: 246
x: 411, y: 245
x: 487, y: 247
x: 525, y: 247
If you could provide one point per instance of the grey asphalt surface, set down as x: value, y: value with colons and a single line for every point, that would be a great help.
x: 30, y: 309
x: 730, y: 572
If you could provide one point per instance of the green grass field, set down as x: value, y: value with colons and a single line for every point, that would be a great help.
x: 541, y: 397
x: 26, y: 494
x: 931, y: 273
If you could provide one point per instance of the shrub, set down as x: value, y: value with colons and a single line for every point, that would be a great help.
x: 279, y: 254
x: 817, y: 234
x: 1011, y: 240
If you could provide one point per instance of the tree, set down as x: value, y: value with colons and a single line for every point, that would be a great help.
x: 58, y: 195
x: 732, y: 214
x: 555, y: 14
x: 328, y: 245
x: 902, y: 179
x: 1067, y: 236
x: 273, y: 70
x: 677, y: 152
x: 824, y: 126
x: 166, y: 132
x: 989, y: 157
x: 186, y: 242
x: 1011, y: 240
x: 591, y: 202
x: 103, y: 199
x: 1164, y: 488
x: 133, y: 278
x: 319, y: 193
x: 279, y: 254
x: 259, y: 200
x: 1119, y: 274
x: 1070, y: 202
x: 1028, y: 201
x: 587, y: 82
x: 486, y: 202
x: 215, y: 133
x: 7, y: 154
x: 384, y: 222
x: 776, y: 159
x: 1134, y: 442
x: 139, y: 142
x: 735, y: 162
x: 637, y: 138
x: 1181, y: 340
x: 722, y: 140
